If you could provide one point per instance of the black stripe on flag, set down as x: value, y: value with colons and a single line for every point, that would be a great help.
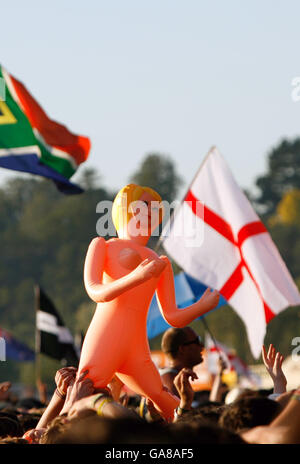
x: 53, y: 337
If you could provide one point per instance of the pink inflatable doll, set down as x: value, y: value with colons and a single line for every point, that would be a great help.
x: 121, y: 276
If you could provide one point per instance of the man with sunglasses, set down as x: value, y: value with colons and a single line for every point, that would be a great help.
x: 183, y: 348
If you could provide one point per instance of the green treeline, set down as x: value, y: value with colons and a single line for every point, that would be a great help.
x: 45, y: 236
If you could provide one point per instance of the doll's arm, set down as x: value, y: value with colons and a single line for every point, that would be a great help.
x: 174, y: 316
x: 93, y: 271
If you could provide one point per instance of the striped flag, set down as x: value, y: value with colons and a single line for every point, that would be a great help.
x: 31, y: 142
x: 233, y: 253
x: 53, y: 338
x: 13, y: 349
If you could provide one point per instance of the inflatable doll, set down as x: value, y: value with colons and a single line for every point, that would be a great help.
x: 121, y: 276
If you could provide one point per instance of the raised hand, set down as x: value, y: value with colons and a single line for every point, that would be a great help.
x: 4, y: 390
x: 184, y: 388
x: 273, y: 362
x: 81, y: 388
x: 222, y: 365
x: 33, y: 435
x: 64, y: 378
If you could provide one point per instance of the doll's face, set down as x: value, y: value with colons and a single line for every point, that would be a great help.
x: 145, y: 215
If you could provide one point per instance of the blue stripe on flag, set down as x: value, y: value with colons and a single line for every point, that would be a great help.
x: 14, y: 349
x: 31, y: 163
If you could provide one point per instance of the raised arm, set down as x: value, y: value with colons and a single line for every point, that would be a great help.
x: 63, y: 378
x: 273, y: 362
x: 216, y: 390
x: 93, y: 271
x: 174, y: 316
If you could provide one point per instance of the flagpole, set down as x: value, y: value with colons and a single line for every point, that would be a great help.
x: 211, y: 335
x: 37, y: 338
x: 172, y: 217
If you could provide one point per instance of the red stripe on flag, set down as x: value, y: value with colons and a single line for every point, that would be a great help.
x: 209, y: 217
x: 223, y: 228
x: 54, y: 134
x: 269, y: 315
x: 268, y: 312
x: 253, y: 228
x: 233, y: 283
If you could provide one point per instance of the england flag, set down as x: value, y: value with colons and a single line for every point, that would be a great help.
x: 228, y: 248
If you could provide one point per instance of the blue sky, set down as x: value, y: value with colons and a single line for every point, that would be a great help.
x: 168, y: 76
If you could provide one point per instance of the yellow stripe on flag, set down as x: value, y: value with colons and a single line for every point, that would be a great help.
x: 6, y: 116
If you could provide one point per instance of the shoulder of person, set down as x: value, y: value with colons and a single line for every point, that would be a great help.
x: 168, y: 370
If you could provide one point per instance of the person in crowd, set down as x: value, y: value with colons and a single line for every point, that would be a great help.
x: 284, y: 429
x: 64, y: 378
x: 219, y: 389
x: 183, y: 348
x: 77, y: 413
x: 249, y: 412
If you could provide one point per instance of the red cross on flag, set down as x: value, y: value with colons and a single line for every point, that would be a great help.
x: 229, y: 249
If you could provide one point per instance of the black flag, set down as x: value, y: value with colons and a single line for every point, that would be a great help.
x: 53, y: 338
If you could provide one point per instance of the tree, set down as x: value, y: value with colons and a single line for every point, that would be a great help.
x: 288, y: 210
x: 89, y: 179
x: 158, y: 172
x: 44, y: 239
x: 283, y: 175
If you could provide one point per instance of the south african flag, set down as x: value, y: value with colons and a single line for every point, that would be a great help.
x: 31, y: 142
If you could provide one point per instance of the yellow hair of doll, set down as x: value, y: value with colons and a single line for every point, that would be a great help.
x: 128, y: 194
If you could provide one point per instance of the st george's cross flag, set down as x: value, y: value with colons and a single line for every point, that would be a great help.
x: 31, y: 142
x: 233, y: 253
x: 214, y: 349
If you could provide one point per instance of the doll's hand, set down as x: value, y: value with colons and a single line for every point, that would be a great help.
x: 209, y: 300
x: 150, y: 267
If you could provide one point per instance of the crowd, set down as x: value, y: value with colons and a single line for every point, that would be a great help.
x: 78, y: 414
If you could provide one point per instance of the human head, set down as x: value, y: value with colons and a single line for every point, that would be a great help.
x: 123, y: 206
x: 182, y: 345
x: 104, y: 430
x: 248, y: 412
x: 201, y: 431
x: 10, y: 426
x: 54, y: 429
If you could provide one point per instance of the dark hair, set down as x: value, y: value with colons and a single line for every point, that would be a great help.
x: 29, y: 403
x: 210, y: 413
x: 172, y: 339
x: 249, y: 412
x: 28, y: 421
x: 10, y: 427
x: 203, y: 432
x: 102, y: 430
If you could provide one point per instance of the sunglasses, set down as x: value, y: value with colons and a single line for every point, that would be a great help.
x: 196, y: 341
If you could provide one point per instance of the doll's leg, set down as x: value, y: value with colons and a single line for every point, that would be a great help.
x: 145, y: 380
x: 99, y: 375
x: 101, y: 366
